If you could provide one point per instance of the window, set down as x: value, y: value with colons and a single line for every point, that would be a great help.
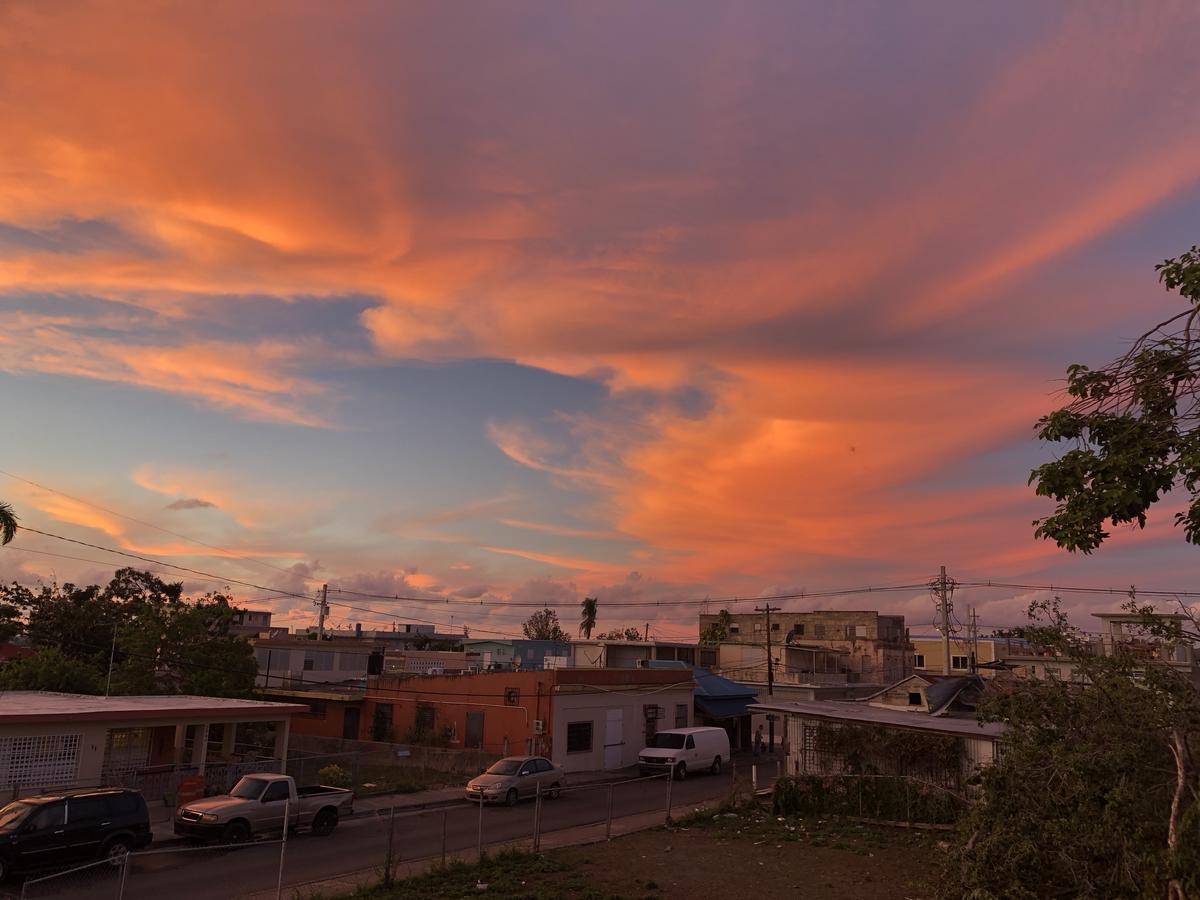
x: 958, y: 662
x: 424, y: 717
x: 681, y: 712
x: 819, y: 631
x: 544, y: 765
x: 579, y: 737
x: 690, y: 744
x: 528, y: 769
x: 386, y: 716
x: 918, y: 660
x: 126, y: 750
x: 800, y: 629
x: 88, y: 809
x: 758, y: 626
x: 774, y: 626
x: 734, y: 629
x: 914, y: 698
x: 123, y: 804
x: 46, y: 760
x: 512, y: 696
x: 52, y: 815
x: 860, y: 631
x: 276, y: 791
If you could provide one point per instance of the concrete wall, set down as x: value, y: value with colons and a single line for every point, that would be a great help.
x: 595, y: 707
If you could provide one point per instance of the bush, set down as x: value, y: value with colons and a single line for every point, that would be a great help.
x: 874, y: 797
x: 334, y: 776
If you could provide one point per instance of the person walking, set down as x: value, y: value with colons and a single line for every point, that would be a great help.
x: 759, y: 743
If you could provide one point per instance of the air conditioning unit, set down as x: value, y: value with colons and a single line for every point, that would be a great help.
x: 539, y: 726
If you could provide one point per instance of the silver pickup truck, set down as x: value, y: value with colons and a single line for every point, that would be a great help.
x: 258, y: 804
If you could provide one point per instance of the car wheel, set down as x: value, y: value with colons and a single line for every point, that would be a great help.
x: 325, y: 822
x: 5, y: 869
x: 555, y: 790
x: 115, y: 852
x: 716, y: 766
x: 511, y: 797
x: 235, y: 833
x: 681, y: 772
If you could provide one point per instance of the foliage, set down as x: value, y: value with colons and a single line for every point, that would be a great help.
x: 49, y: 669
x: 543, y: 626
x: 888, y: 798
x: 620, y: 634
x: 587, y: 616
x: 159, y: 642
x: 508, y: 873
x: 874, y: 749
x: 1135, y: 429
x: 717, y: 631
x: 1096, y: 793
x: 8, y: 523
x: 334, y: 776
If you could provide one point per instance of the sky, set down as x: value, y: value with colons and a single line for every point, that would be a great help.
x: 514, y: 303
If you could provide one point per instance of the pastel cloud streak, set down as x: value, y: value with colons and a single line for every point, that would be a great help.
x: 824, y: 263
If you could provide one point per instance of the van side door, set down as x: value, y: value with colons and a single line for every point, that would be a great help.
x: 689, y: 751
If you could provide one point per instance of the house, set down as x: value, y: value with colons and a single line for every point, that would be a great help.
x: 583, y: 719
x: 872, y: 646
x: 929, y: 655
x: 251, y: 623
x: 288, y: 662
x: 330, y: 710
x: 516, y: 653
x: 52, y: 740
x: 424, y: 662
x: 627, y: 654
x: 834, y: 737
x: 935, y: 695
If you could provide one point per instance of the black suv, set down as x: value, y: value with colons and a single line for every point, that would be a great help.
x: 72, y: 827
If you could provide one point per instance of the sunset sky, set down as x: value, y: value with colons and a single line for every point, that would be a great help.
x: 517, y: 302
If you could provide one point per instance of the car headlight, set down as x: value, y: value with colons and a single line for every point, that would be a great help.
x: 210, y: 818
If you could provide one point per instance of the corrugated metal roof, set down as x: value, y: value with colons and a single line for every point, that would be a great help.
x: 843, y: 711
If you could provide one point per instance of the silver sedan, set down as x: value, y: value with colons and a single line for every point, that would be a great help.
x: 514, y: 777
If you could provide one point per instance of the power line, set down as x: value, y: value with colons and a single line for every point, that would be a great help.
x: 1132, y: 592
x: 183, y: 537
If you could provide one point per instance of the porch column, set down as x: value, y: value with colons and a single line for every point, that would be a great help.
x: 282, y: 729
x: 228, y: 739
x: 180, y: 739
x: 200, y: 748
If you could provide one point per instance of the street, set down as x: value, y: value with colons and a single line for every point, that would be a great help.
x: 361, y: 843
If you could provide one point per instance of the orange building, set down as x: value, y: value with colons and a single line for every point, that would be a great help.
x: 584, y: 719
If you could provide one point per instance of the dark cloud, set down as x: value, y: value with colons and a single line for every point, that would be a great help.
x: 191, y: 503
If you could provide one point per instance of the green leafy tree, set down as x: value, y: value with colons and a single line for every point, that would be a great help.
x: 589, y: 609
x: 8, y: 523
x: 717, y: 631
x: 158, y: 641
x: 1133, y: 428
x: 544, y: 626
x: 620, y: 634
x: 1096, y: 793
x: 49, y: 669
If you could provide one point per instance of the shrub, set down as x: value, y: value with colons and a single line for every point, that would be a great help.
x: 334, y: 776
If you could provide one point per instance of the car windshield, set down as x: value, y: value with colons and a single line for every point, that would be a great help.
x: 505, y: 767
x: 248, y: 788
x: 13, y: 813
x: 667, y: 741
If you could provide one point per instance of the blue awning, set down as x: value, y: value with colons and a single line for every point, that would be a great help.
x: 724, y: 707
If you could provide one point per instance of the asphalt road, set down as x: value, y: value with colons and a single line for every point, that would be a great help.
x: 361, y: 843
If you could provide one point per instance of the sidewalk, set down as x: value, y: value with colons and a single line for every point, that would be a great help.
x: 161, y: 817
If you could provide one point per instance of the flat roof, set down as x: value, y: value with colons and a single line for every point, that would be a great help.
x: 851, y: 711
x: 20, y: 707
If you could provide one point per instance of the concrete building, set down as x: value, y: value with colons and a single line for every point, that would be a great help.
x: 51, y: 740
x: 583, y: 719
x: 251, y: 623
x: 491, y: 654
x: 290, y: 662
x: 424, y: 662
x: 928, y: 654
x: 599, y: 654
x: 872, y: 646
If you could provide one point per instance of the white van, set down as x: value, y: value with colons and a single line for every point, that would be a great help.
x: 686, y: 750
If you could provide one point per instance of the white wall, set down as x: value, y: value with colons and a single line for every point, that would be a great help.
x: 593, y: 707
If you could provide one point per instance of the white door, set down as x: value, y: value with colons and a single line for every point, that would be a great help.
x: 614, y: 741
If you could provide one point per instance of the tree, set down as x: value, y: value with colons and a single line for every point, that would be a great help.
x: 587, y: 620
x: 620, y: 634
x: 158, y: 641
x: 1134, y: 427
x: 1096, y: 793
x: 543, y: 626
x: 717, y: 631
x: 8, y: 523
x: 49, y: 669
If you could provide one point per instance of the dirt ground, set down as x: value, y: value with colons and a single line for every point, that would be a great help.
x: 746, y: 855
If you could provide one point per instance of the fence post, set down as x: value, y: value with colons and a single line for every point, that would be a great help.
x: 445, y: 815
x: 479, y: 840
x: 608, y: 821
x: 282, y: 848
x: 670, y: 783
x: 124, y: 876
x: 754, y: 778
x: 907, y: 802
x: 387, y: 869
x: 537, y: 819
x: 860, y: 792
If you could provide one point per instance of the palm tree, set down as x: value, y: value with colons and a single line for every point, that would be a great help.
x: 8, y: 523
x: 587, y: 620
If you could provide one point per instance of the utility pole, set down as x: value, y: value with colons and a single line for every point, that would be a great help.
x: 646, y: 634
x: 322, y: 612
x: 973, y: 640
x: 944, y: 612
x: 768, y: 609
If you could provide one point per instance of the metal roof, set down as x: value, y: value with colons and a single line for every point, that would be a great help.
x: 850, y: 711
x: 18, y: 707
